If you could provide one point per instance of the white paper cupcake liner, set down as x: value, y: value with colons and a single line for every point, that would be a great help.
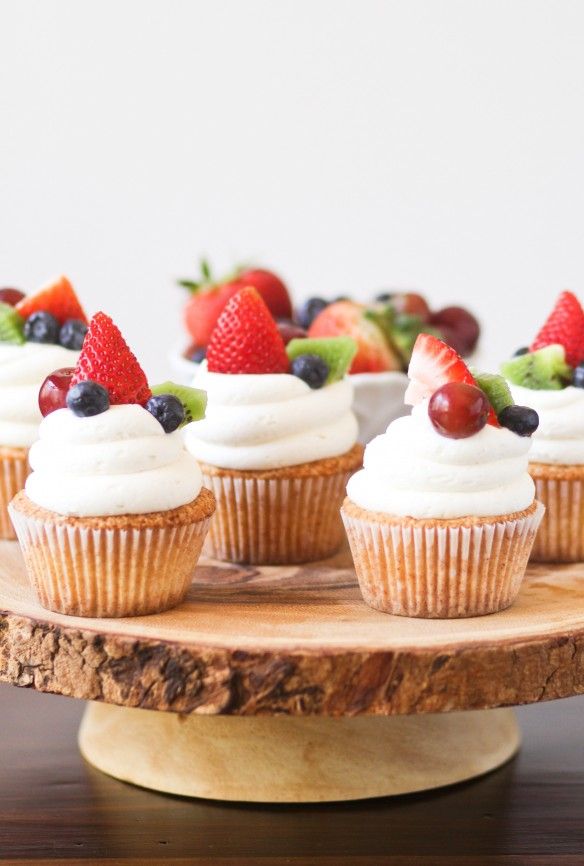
x: 14, y: 471
x: 432, y: 570
x: 561, y: 534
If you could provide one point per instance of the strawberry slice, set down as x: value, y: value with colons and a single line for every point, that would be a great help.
x: 434, y: 364
x: 57, y: 298
x: 246, y: 338
x: 564, y: 325
x: 106, y: 359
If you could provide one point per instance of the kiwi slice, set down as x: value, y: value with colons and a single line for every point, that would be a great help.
x: 544, y: 370
x: 336, y: 352
x: 495, y: 389
x: 11, y: 325
x: 193, y: 399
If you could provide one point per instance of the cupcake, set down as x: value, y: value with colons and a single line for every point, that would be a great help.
x: 38, y: 334
x: 442, y: 517
x: 114, y: 514
x: 278, y: 441
x: 549, y: 375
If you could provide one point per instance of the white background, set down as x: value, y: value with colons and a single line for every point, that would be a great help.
x: 350, y: 145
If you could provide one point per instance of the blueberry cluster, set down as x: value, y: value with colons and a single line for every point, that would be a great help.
x: 43, y: 327
x: 90, y: 398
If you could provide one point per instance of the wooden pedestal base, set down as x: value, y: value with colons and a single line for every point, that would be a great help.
x: 282, y: 759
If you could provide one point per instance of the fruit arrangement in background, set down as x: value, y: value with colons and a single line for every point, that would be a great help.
x: 53, y: 314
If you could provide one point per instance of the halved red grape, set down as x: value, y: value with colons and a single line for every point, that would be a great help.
x: 289, y: 330
x: 53, y: 391
x: 458, y: 410
x: 459, y: 328
x: 11, y: 296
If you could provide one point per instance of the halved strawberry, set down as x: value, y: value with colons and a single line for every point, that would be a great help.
x: 434, y: 364
x: 106, y: 359
x: 564, y: 325
x: 374, y: 354
x: 246, y: 338
x: 57, y: 298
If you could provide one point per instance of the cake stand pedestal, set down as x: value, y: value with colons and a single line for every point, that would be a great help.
x: 280, y: 685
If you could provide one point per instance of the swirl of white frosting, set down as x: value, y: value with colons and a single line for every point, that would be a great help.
x: 22, y: 372
x: 119, y: 462
x: 560, y: 435
x: 413, y: 471
x: 269, y: 421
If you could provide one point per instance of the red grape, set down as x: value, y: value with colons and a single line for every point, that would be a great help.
x: 459, y: 327
x: 53, y: 391
x: 11, y: 296
x: 289, y: 330
x: 458, y: 410
x: 411, y: 304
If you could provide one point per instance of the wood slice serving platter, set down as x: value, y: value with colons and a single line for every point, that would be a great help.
x: 280, y: 684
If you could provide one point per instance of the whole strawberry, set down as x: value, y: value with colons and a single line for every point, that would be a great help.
x: 564, y: 325
x: 246, y: 338
x: 374, y: 354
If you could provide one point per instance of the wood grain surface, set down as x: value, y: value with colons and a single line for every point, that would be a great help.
x: 298, y: 640
x: 56, y: 809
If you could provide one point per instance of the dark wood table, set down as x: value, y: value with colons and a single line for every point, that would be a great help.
x: 56, y: 809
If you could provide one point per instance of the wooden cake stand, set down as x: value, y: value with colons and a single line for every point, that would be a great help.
x: 280, y: 685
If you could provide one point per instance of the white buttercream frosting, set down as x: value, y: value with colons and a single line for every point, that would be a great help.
x: 560, y: 435
x: 22, y: 372
x: 413, y: 471
x: 269, y: 421
x: 118, y: 462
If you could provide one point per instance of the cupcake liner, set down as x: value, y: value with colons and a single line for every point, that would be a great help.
x: 561, y: 534
x: 438, y: 568
x: 100, y: 571
x: 275, y: 521
x: 14, y: 471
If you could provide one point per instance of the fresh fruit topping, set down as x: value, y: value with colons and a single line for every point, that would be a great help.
x: 72, y: 334
x: 384, y: 297
x: 168, y: 410
x: 458, y: 410
x: 11, y: 296
x: 311, y: 369
x: 432, y: 365
x: 496, y: 390
x: 523, y: 350
x: 459, y: 327
x: 197, y: 355
x: 578, y: 376
x: 246, y: 339
x: 57, y: 298
x: 88, y: 398
x: 399, y: 329
x: 290, y: 330
x: 209, y: 297
x: 336, y: 352
x: 41, y: 327
x: 519, y: 419
x: 307, y: 313
x: 348, y: 318
x: 106, y: 359
x: 53, y: 392
x: 542, y: 370
x: 11, y: 325
x: 410, y: 304
x: 564, y: 325
x: 194, y: 401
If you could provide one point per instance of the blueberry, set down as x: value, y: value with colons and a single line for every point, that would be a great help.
x: 519, y: 419
x: 167, y: 409
x: 41, y: 328
x: 72, y: 334
x: 522, y: 351
x: 578, y: 378
x: 383, y: 297
x: 309, y: 311
x: 198, y: 355
x: 311, y: 369
x: 87, y: 398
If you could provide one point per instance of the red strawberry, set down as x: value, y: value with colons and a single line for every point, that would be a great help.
x: 432, y: 365
x: 374, y: 354
x: 246, y: 339
x: 57, y: 298
x: 564, y: 325
x: 210, y: 297
x: 106, y: 358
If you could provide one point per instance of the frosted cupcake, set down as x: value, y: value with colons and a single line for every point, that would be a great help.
x: 442, y: 518
x: 278, y: 442
x: 550, y: 377
x: 113, y: 517
x: 38, y: 334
